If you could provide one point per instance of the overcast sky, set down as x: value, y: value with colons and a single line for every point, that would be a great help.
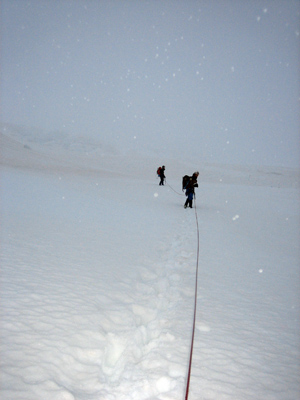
x: 214, y: 80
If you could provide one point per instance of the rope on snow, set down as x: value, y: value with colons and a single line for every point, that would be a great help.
x: 195, y: 308
x: 195, y: 301
x: 180, y: 194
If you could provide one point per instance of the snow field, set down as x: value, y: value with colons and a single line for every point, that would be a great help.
x: 249, y: 294
x: 84, y: 315
x: 98, y: 277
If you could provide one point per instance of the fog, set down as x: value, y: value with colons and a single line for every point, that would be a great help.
x: 213, y: 81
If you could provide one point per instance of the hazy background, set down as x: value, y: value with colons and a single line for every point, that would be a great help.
x: 208, y: 80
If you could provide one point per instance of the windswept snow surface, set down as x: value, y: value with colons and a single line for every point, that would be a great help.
x: 98, y: 274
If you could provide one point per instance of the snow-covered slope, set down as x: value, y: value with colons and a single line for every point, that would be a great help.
x: 98, y: 274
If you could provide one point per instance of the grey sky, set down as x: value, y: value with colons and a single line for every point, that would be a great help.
x: 214, y: 80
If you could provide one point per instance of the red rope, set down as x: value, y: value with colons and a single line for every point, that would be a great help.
x: 195, y: 309
x: 195, y: 304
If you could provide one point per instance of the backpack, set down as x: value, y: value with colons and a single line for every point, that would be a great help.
x: 158, y: 171
x: 185, y: 181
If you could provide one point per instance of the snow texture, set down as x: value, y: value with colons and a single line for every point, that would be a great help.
x: 98, y: 275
